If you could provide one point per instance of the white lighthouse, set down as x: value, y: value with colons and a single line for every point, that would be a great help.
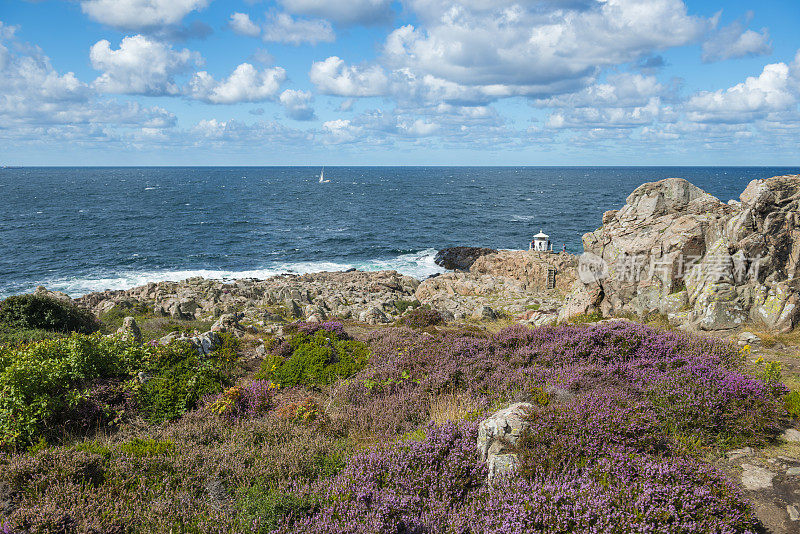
x: 541, y: 242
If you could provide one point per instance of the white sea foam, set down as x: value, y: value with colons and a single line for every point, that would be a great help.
x: 420, y: 265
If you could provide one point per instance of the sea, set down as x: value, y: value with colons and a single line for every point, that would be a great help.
x: 78, y: 230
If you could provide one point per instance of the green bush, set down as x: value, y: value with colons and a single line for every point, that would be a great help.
x: 46, y: 313
x: 792, y: 403
x: 48, y: 386
x: 262, y: 510
x: 42, y: 381
x: 21, y: 336
x: 403, y: 305
x: 317, y: 359
x: 177, y: 378
x: 145, y: 448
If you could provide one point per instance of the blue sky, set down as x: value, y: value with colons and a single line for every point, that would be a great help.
x: 382, y: 82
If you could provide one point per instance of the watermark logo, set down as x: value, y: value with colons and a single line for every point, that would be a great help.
x: 592, y: 268
x: 643, y: 268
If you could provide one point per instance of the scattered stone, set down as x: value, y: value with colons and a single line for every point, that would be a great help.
x: 205, y: 343
x: 58, y: 295
x: 756, y: 478
x: 794, y: 513
x: 739, y: 453
x: 129, y: 331
x: 485, y: 313
x: 324, y: 296
x: 373, y: 316
x: 793, y: 471
x: 169, y: 338
x: 748, y: 338
x: 791, y: 435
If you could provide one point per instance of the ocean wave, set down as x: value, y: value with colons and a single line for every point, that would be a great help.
x: 420, y: 265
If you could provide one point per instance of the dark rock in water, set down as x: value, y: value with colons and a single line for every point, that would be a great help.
x: 460, y: 258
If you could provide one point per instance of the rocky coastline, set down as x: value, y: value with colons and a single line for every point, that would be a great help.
x: 672, y: 250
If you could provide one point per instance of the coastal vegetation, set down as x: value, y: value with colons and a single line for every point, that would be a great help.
x: 339, y: 428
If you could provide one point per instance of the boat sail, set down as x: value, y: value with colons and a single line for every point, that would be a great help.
x: 322, y: 179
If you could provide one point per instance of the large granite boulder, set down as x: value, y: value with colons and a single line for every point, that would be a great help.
x: 205, y: 343
x: 675, y: 249
x: 42, y: 291
x: 460, y: 258
x: 497, y: 436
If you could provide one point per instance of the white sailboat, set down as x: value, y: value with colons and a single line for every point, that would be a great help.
x: 322, y: 179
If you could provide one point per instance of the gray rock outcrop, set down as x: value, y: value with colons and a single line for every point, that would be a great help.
x: 315, y: 297
x: 497, y: 436
x: 460, y: 258
x: 675, y: 249
x: 129, y: 331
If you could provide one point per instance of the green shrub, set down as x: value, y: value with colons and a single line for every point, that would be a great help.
x: 792, y: 402
x: 21, y: 336
x: 54, y: 386
x: 112, y: 319
x: 403, y: 305
x: 46, y: 313
x: 145, y: 448
x: 262, y: 510
x: 178, y: 377
x: 93, y: 447
x: 316, y: 359
x: 42, y: 381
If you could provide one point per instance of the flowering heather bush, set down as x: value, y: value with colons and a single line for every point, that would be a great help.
x: 421, y: 318
x: 437, y: 485
x: 249, y: 400
x: 302, y: 327
x: 618, y: 406
x: 688, y: 384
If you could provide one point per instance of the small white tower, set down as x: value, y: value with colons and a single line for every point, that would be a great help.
x: 541, y: 242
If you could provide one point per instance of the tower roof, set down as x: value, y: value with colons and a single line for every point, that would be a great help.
x: 541, y: 235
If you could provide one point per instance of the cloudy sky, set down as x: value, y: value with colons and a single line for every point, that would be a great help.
x: 362, y: 82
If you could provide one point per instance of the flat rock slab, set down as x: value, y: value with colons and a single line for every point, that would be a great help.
x: 792, y: 435
x: 756, y: 478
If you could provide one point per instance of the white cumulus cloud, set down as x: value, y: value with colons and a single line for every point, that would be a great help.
x: 245, y: 84
x: 140, y: 66
x: 334, y: 77
x: 530, y: 49
x: 774, y: 90
x: 240, y: 23
x: 140, y: 14
x: 297, y: 104
x: 283, y: 28
x: 342, y: 11
x: 41, y: 105
x: 736, y: 41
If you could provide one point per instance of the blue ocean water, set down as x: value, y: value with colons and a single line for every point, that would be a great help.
x: 87, y: 229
